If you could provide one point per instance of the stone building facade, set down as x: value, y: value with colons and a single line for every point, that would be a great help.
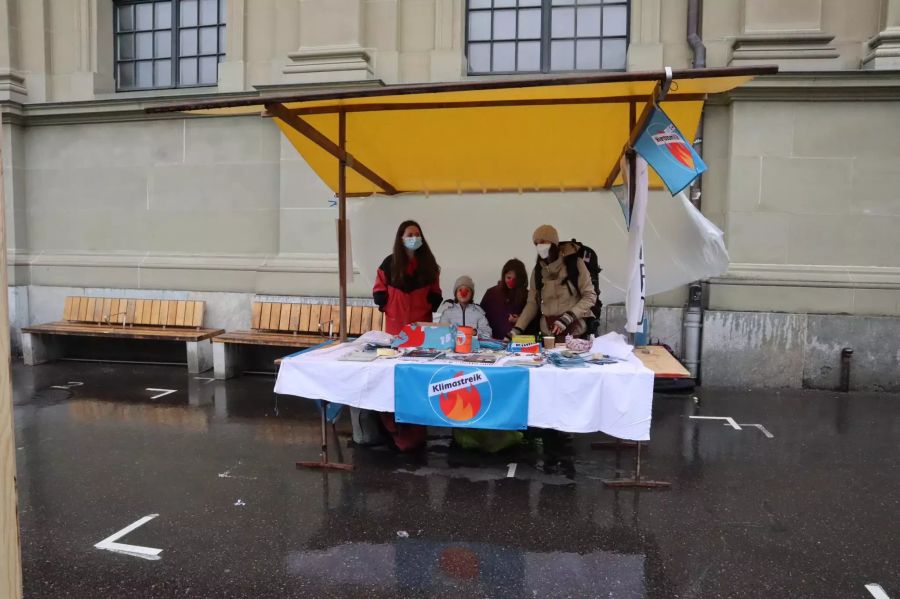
x: 804, y: 166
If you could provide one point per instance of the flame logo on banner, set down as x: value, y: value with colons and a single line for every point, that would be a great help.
x: 461, y: 404
x: 412, y: 335
x: 682, y: 153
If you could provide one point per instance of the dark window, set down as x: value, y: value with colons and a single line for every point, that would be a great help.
x: 540, y: 36
x: 168, y: 43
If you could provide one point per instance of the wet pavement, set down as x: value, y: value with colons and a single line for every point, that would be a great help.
x: 810, y: 510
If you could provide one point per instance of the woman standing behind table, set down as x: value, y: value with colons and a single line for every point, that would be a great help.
x: 505, y: 301
x: 407, y: 289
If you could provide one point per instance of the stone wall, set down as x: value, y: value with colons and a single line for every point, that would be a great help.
x: 773, y: 350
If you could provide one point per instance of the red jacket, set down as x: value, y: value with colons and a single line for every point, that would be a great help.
x: 415, y: 301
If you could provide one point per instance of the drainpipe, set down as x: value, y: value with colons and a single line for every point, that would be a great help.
x: 693, y: 316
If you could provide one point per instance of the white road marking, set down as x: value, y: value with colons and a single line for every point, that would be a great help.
x: 163, y: 393
x: 764, y: 430
x: 208, y: 379
x: 109, y: 543
x: 727, y: 419
x: 511, y: 473
x: 876, y: 591
x: 68, y: 385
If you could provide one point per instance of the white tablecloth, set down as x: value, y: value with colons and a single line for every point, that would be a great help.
x: 615, y: 399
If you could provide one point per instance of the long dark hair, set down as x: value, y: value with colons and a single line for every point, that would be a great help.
x: 518, y: 294
x: 427, y: 270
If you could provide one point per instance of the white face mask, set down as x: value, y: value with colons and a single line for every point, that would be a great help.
x: 543, y: 250
x: 412, y: 243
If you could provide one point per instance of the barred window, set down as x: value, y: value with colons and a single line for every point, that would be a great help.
x: 168, y: 43
x: 542, y: 36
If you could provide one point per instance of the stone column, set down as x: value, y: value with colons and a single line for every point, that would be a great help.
x: 233, y: 70
x: 884, y: 48
x: 12, y: 81
x: 788, y: 34
x: 332, y: 46
x: 645, y: 50
x: 447, y: 62
x: 94, y: 22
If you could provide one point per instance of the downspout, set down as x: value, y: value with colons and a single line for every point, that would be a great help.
x: 693, y: 316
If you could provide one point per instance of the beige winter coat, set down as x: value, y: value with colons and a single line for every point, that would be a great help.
x: 558, y: 297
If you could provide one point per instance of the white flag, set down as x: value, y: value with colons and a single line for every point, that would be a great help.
x: 634, y: 293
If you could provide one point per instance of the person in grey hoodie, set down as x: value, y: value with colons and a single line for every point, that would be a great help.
x: 462, y: 312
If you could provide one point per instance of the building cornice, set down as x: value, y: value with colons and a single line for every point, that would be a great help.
x: 832, y: 86
x: 841, y: 86
x: 272, y: 263
x: 130, y: 106
x: 806, y: 275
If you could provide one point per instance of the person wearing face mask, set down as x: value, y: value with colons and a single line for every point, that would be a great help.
x: 461, y: 311
x: 407, y: 289
x: 561, y: 292
x: 505, y: 301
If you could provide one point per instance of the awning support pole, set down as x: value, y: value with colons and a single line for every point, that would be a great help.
x: 321, y: 140
x: 342, y: 223
x: 324, y: 463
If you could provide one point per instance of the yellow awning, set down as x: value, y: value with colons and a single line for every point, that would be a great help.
x: 562, y: 133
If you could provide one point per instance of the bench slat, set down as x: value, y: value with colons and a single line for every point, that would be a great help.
x: 188, y: 313
x: 285, y: 323
x: 198, y: 314
x: 179, y: 314
x: 305, y: 310
x: 365, y: 324
x: 105, y: 309
x: 154, y: 312
x: 129, y: 311
x: 294, y: 321
x: 256, y: 315
x: 89, y: 309
x: 165, y: 307
x: 265, y: 316
x: 356, y: 320
x: 274, y: 317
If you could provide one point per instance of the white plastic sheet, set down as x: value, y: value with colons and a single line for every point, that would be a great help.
x: 475, y: 234
x: 635, y: 295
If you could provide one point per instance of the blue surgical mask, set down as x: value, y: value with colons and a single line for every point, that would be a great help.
x: 412, y: 243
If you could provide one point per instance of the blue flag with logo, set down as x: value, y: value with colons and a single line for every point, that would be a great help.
x: 461, y: 396
x: 664, y: 148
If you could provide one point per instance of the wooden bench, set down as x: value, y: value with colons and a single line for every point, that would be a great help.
x: 292, y: 326
x: 122, y: 318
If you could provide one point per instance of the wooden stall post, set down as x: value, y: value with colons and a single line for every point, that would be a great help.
x: 10, y: 558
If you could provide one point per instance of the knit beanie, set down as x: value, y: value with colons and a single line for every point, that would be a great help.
x: 547, y: 233
x: 463, y: 281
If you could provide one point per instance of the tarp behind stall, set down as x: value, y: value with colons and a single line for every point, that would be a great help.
x: 475, y: 235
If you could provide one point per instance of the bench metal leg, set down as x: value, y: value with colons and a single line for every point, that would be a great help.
x: 38, y: 349
x: 199, y: 356
x: 226, y: 360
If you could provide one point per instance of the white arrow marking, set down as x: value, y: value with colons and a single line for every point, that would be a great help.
x: 511, y: 473
x: 163, y: 394
x: 875, y: 589
x: 109, y: 543
x: 764, y: 430
x: 727, y: 419
x: 208, y: 379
